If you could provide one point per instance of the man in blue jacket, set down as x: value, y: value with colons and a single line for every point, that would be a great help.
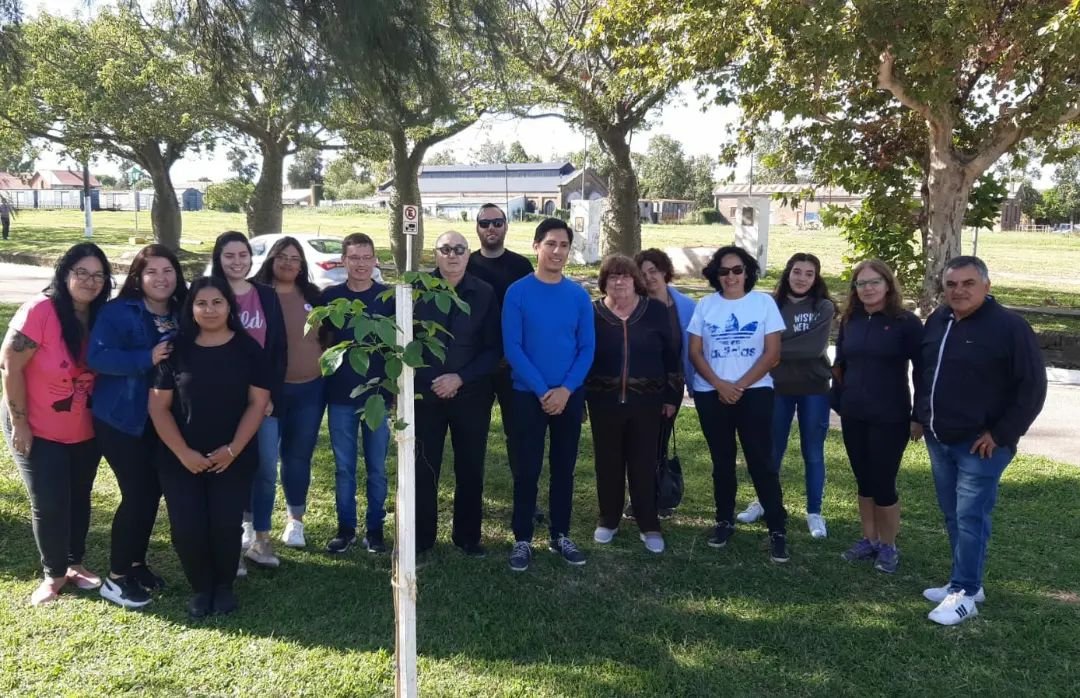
x: 549, y: 339
x: 984, y: 383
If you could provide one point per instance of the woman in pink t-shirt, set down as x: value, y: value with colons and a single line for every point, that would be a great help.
x: 45, y: 414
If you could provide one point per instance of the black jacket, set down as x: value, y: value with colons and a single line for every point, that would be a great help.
x: 872, y: 355
x: 474, y: 349
x: 982, y: 373
x: 277, y: 345
x: 636, y: 362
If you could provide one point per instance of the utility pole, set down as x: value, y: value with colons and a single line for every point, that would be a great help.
x: 89, y: 231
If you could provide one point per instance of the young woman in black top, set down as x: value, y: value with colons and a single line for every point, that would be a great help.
x: 634, y: 384
x: 877, y: 341
x: 207, y: 403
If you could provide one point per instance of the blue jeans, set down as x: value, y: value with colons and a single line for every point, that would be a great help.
x: 529, y: 432
x: 344, y: 424
x: 967, y: 487
x: 302, y: 413
x: 264, y: 485
x: 813, y: 411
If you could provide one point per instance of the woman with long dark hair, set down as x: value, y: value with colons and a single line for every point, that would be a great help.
x: 801, y: 380
x: 133, y: 334
x: 45, y: 413
x: 299, y: 411
x: 734, y: 343
x: 878, y: 340
x: 260, y: 316
x: 207, y: 402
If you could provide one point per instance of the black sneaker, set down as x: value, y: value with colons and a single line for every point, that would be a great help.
x: 374, y: 542
x: 778, y: 551
x: 146, y: 578
x: 126, y: 592
x: 473, y: 550
x: 665, y: 514
x: 342, y: 541
x: 565, y: 547
x: 520, y: 556
x: 199, y: 605
x: 721, y: 534
x: 224, y: 600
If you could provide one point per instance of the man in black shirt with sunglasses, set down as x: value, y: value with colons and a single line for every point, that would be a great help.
x: 499, y: 267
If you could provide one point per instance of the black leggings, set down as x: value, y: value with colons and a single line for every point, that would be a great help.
x: 751, y: 419
x: 875, y: 450
x: 205, y: 513
x: 132, y: 461
x: 58, y: 478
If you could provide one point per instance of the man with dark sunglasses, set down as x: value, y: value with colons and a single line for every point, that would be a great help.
x: 456, y: 392
x: 499, y: 267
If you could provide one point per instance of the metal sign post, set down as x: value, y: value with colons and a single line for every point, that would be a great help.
x: 405, y: 549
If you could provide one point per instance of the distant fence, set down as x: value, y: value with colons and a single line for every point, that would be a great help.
x: 53, y: 199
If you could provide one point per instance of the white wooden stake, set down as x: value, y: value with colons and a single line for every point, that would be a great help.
x: 405, y: 549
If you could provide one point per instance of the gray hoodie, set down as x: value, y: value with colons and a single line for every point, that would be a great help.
x: 804, y: 361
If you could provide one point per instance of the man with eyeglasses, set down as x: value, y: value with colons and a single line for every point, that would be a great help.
x: 343, y: 421
x: 456, y: 396
x: 984, y: 383
x: 500, y: 268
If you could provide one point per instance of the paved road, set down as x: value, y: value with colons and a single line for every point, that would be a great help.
x: 1053, y: 435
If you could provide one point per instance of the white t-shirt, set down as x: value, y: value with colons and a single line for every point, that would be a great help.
x: 733, y: 334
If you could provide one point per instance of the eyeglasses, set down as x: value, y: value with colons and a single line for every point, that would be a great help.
x: 870, y: 282
x: 497, y: 222
x: 459, y: 250
x: 293, y: 261
x: 365, y: 259
x: 97, y: 277
x: 736, y: 270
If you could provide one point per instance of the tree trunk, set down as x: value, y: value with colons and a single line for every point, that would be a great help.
x: 621, y: 230
x: 949, y: 187
x: 264, y: 208
x: 406, y: 191
x: 165, y: 212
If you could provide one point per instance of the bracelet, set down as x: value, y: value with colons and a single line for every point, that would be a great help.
x: 228, y: 447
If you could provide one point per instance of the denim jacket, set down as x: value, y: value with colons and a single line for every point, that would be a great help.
x: 121, y: 346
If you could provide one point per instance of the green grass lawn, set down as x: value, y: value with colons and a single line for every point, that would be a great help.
x: 692, y: 622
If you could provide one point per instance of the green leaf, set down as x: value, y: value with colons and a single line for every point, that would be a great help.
x: 393, y: 367
x: 400, y: 425
x: 363, y: 327
x: 338, y: 313
x: 374, y: 411
x: 414, y: 354
x: 462, y: 305
x: 442, y: 302
x: 359, y: 360
x: 386, y: 331
x: 332, y: 358
x: 436, y: 348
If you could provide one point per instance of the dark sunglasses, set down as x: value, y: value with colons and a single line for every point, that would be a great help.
x: 497, y: 222
x: 736, y: 270
x: 459, y: 250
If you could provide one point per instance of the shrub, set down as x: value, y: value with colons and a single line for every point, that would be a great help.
x: 563, y: 213
x: 231, y: 196
x: 708, y: 216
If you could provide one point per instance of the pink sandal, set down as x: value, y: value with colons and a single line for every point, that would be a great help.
x: 48, y: 591
x: 83, y: 578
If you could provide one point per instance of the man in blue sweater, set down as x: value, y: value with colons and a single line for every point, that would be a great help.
x: 983, y: 384
x: 548, y: 337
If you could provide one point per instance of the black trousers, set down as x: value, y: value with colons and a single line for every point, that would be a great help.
x: 624, y: 442
x: 875, y: 450
x: 467, y: 416
x: 205, y: 514
x: 503, y: 391
x: 58, y: 479
x: 132, y: 461
x: 751, y: 419
x: 6, y: 223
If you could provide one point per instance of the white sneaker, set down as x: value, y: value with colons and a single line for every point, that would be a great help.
x: 248, y: 536
x: 261, y: 553
x: 654, y: 542
x: 816, y: 524
x: 293, y: 535
x: 938, y: 594
x: 956, y: 608
x: 241, y: 569
x: 753, y: 512
x: 604, y: 535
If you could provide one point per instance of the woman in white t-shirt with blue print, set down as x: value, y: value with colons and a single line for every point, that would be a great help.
x: 734, y: 342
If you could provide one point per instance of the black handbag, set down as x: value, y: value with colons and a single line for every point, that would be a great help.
x: 669, y: 476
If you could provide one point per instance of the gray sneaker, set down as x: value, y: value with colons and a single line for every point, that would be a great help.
x: 862, y: 550
x: 262, y: 553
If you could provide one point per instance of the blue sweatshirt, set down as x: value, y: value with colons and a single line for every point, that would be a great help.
x: 120, y: 352
x: 548, y: 334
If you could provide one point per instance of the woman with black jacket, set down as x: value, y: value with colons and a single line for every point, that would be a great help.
x: 877, y: 341
x: 631, y: 388
x: 261, y: 316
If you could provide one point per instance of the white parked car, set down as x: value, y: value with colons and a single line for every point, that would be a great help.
x: 323, y: 254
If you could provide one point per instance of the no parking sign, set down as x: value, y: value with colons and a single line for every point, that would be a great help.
x: 410, y: 215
